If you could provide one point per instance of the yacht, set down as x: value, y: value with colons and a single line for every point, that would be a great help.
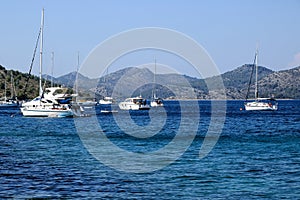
x: 135, y: 103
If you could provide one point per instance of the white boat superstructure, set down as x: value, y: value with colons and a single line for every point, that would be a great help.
x: 135, y: 103
x: 260, y: 104
x: 60, y: 94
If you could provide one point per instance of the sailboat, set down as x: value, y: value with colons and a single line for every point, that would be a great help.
x: 12, y: 102
x: 155, y: 102
x: 259, y: 104
x: 81, y: 101
x: 47, y: 104
x: 106, y: 99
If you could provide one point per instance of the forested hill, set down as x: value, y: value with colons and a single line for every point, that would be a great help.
x: 15, y: 82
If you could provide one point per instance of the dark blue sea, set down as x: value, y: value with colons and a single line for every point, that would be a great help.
x: 154, y: 154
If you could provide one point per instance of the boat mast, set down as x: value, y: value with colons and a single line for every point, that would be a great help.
x: 5, y: 98
x: 154, y: 80
x: 12, y: 85
x: 76, y: 83
x: 41, y: 53
x: 256, y: 74
x: 52, y: 59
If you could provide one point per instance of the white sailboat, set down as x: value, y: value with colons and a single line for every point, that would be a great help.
x: 155, y: 102
x: 81, y: 101
x: 47, y: 103
x: 106, y: 99
x: 12, y: 102
x: 259, y: 104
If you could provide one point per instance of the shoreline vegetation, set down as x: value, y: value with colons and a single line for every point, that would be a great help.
x: 282, y: 85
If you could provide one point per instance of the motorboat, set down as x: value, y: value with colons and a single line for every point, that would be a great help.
x: 135, y: 103
x: 106, y: 101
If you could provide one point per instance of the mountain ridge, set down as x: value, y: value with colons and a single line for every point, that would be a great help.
x: 235, y: 82
x: 133, y: 81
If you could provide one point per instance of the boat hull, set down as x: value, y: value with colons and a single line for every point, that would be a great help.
x: 260, y: 106
x: 155, y: 104
x: 127, y: 106
x: 105, y: 102
x: 46, y: 113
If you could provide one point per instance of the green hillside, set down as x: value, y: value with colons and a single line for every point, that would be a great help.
x: 16, y: 82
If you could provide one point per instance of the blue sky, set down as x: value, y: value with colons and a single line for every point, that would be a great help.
x: 229, y: 30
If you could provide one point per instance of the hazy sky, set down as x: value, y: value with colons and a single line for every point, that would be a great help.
x: 229, y: 30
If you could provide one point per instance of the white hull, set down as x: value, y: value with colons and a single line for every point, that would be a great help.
x: 105, y: 102
x: 132, y: 106
x: 136, y: 103
x: 260, y: 106
x: 156, y: 103
x: 46, y: 113
x: 87, y: 103
x: 8, y: 105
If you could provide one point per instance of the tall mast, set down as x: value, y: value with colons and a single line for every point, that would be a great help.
x: 76, y: 83
x: 256, y: 74
x: 52, y: 60
x: 5, y: 98
x: 41, y: 53
x: 154, y: 80
x: 11, y: 85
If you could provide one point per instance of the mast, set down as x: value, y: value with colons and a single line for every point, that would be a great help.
x: 256, y: 74
x: 52, y: 59
x: 76, y: 83
x: 154, y: 80
x: 41, y: 53
x: 5, y: 98
x: 12, y: 85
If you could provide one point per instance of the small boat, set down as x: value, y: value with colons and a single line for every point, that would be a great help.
x: 9, y: 103
x: 87, y: 103
x: 12, y: 102
x: 259, y: 104
x: 155, y: 102
x: 108, y: 111
x: 106, y: 101
x: 135, y: 103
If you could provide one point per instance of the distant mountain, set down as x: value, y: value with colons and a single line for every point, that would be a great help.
x: 283, y: 84
x: 69, y: 79
x: 236, y: 81
x: 134, y: 81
